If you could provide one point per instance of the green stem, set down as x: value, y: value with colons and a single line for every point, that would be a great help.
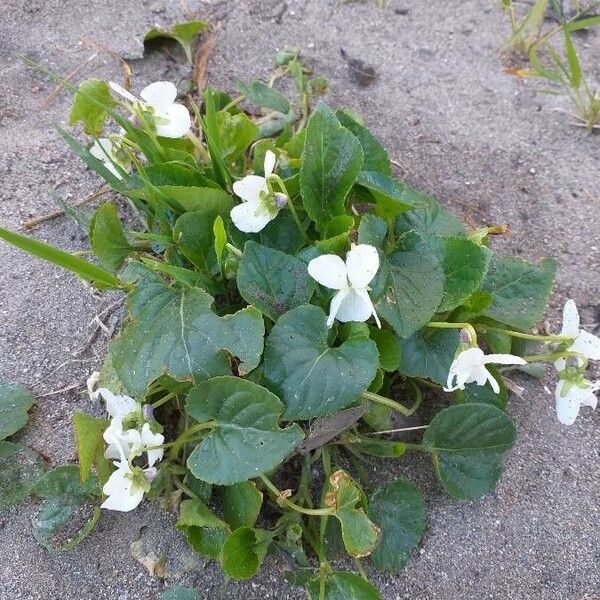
x: 372, y: 397
x: 198, y: 145
x: 447, y: 325
x: 233, y: 103
x: 552, y: 356
x: 186, y: 435
x: 529, y: 336
x: 281, y: 500
x: 361, y: 569
x: 163, y: 400
x: 290, y: 205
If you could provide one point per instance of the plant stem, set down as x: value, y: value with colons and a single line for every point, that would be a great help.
x: 281, y: 500
x: 529, y: 336
x: 290, y: 205
x: 372, y: 397
x: 163, y: 400
x: 448, y: 325
x: 361, y: 569
x: 186, y: 436
x: 552, y: 356
x: 198, y: 145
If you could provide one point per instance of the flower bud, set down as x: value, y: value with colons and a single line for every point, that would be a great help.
x: 148, y: 412
x: 150, y: 474
x: 465, y: 336
x: 280, y: 200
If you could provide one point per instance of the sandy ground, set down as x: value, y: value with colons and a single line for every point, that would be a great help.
x: 478, y: 139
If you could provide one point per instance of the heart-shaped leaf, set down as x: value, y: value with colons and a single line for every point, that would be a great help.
x: 241, y: 504
x: 312, y: 378
x: 331, y: 162
x: 519, y: 290
x: 359, y: 534
x: 246, y: 440
x: 429, y: 219
x: 343, y: 586
x: 243, y: 552
x: 416, y: 287
x: 399, y: 510
x: 429, y: 354
x: 15, y: 401
x: 388, y: 194
x: 484, y: 394
x: 182, y: 33
x: 467, y: 442
x: 90, y: 106
x: 174, y: 331
x: 20, y: 469
x: 90, y: 443
x: 273, y: 281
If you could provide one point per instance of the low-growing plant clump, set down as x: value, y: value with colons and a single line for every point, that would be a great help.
x: 289, y: 300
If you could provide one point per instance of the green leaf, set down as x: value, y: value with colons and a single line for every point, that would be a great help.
x: 467, y: 442
x: 243, y: 553
x: 376, y: 156
x: 20, y: 469
x: 100, y: 278
x: 92, y: 112
x: 15, y: 401
x: 241, y: 504
x: 520, y: 290
x: 64, y: 496
x: 399, y: 510
x: 107, y: 238
x: 261, y: 94
x: 416, y: 287
x: 212, y: 132
x: 388, y: 194
x: 194, y: 513
x: 246, y: 440
x: 389, y: 349
x: 220, y: 236
x: 484, y: 394
x: 237, y: 133
x: 343, y: 586
x: 175, y: 332
x: 182, y: 33
x: 191, y: 198
x: 311, y: 377
x: 376, y: 447
x: 331, y: 162
x: 194, y: 235
x: 180, y: 592
x: 359, y: 534
x: 273, y: 281
x: 207, y: 541
x: 429, y: 354
x: 465, y: 264
x: 372, y: 230
x: 88, y: 437
x: 430, y: 219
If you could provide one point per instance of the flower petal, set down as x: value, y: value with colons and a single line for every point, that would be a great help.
x: 117, y: 406
x: 329, y: 270
x: 570, y: 319
x: 334, y: 307
x: 159, y: 95
x: 250, y: 217
x: 504, y: 359
x: 120, y: 491
x: 270, y: 159
x: 248, y: 188
x: 568, y: 405
x: 354, y: 307
x: 149, y: 440
x: 179, y: 121
x: 115, y: 87
x: 362, y: 264
x: 587, y: 344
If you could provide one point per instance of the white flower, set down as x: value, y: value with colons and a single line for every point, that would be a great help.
x: 352, y: 301
x: 258, y: 207
x: 125, y: 487
x: 118, y: 407
x: 469, y: 367
x: 103, y: 149
x: 172, y: 119
x: 585, y: 343
x: 138, y: 442
x: 572, y: 395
